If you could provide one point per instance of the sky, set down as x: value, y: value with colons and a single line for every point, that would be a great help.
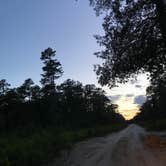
x: 129, y: 96
x: 29, y: 27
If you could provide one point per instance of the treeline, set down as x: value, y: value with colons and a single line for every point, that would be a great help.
x: 133, y: 42
x: 69, y: 104
x: 154, y: 108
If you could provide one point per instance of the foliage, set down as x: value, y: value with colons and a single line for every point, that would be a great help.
x: 4, y: 86
x: 72, y: 105
x: 52, y: 70
x: 69, y: 104
x: 42, y: 145
x: 134, y: 39
x: 154, y: 107
x: 25, y: 89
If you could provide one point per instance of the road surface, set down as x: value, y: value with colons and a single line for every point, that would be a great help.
x: 124, y: 148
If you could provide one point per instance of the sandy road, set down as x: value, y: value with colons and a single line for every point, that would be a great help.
x: 125, y: 148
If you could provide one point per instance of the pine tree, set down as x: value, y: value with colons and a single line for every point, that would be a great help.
x: 52, y: 70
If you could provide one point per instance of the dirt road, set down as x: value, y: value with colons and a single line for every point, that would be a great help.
x: 125, y: 148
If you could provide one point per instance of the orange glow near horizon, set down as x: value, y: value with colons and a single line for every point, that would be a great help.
x: 126, y: 95
x: 129, y: 114
x: 127, y: 108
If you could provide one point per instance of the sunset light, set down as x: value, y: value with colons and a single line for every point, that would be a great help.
x: 129, y: 96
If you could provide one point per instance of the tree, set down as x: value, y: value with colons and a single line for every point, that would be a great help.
x: 72, y: 101
x: 4, y: 86
x: 35, y: 92
x: 156, y: 94
x: 25, y: 90
x: 8, y: 102
x: 154, y: 107
x: 88, y: 94
x: 160, y: 5
x: 111, y: 115
x: 95, y: 98
x: 52, y: 70
x: 134, y: 40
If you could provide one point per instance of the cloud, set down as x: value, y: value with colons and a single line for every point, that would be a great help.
x: 133, y: 81
x: 138, y: 86
x: 114, y: 98
x: 129, y: 95
x: 139, y: 99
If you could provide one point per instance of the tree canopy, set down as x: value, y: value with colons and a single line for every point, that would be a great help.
x: 134, y: 39
x: 69, y: 104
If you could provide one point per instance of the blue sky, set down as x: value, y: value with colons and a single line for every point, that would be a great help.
x: 30, y: 26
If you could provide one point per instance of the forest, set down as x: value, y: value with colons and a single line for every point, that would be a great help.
x: 69, y: 104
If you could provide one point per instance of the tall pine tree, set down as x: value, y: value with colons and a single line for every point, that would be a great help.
x: 52, y: 70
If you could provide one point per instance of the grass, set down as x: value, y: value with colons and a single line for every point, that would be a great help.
x: 40, y: 146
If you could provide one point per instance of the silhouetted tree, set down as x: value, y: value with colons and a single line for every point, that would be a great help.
x: 25, y: 90
x: 88, y: 94
x: 52, y: 70
x: 96, y: 101
x: 72, y: 99
x: 68, y: 105
x: 35, y: 92
x: 134, y: 39
x: 154, y: 107
x: 4, y: 86
x: 8, y: 103
x: 4, y: 89
x: 96, y: 97
x: 111, y: 114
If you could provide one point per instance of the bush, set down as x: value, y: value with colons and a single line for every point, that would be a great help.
x: 40, y: 146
